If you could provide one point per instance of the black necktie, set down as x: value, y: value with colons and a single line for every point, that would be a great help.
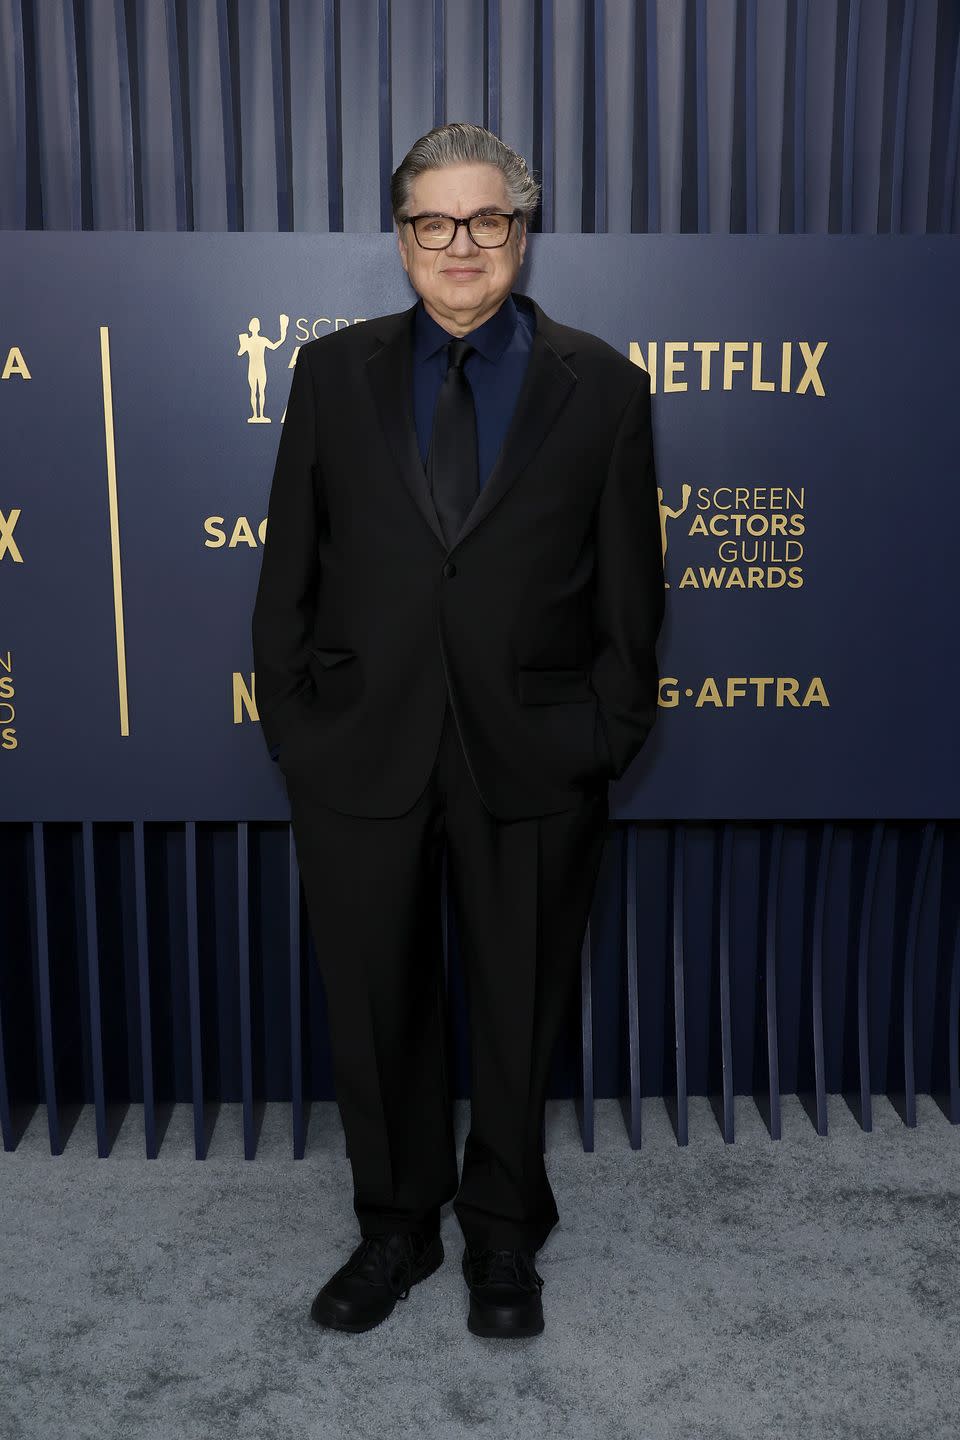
x: 452, y: 458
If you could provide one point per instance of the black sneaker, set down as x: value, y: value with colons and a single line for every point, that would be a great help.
x: 380, y: 1272
x: 504, y: 1292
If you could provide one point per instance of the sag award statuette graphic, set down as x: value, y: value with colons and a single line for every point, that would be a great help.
x: 254, y: 345
x: 667, y: 514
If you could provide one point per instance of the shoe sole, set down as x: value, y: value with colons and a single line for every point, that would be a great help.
x: 330, y: 1320
x: 502, y: 1324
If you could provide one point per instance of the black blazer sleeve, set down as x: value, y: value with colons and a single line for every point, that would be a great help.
x: 286, y: 598
x: 629, y: 594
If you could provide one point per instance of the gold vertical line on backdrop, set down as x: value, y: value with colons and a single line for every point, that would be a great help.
x: 114, y: 526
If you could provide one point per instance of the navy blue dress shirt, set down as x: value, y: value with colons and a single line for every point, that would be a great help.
x: 495, y: 369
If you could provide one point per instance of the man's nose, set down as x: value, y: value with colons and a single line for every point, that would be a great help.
x: 462, y: 244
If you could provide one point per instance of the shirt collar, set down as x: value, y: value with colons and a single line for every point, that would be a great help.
x: 491, y: 338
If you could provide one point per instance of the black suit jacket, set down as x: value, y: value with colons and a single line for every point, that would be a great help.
x: 540, y: 621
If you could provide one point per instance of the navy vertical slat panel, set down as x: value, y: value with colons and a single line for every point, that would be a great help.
x: 126, y: 925
x: 908, y: 1109
x: 600, y: 117
x: 723, y: 1105
x: 179, y: 119
x: 694, y: 158
x: 143, y: 976
x: 439, y: 61
x: 385, y: 112
x: 703, y: 129
x: 76, y: 908
x: 280, y: 74
x: 629, y: 911
x: 19, y: 118
x: 127, y: 146
x: 77, y: 180
x: 331, y: 107
x: 944, y: 1000
x: 951, y: 149
x: 792, y: 209
x: 545, y: 118
x: 296, y: 999
x: 93, y: 988
x: 799, y: 167
x: 681, y: 1118
x: 739, y: 164
x: 816, y: 962
x: 243, y: 962
x: 193, y: 978
x: 872, y: 104
x: 653, y: 119
x: 849, y: 118
x: 770, y: 1106
x: 751, y: 206
x: 491, y: 98
x: 230, y: 113
x: 585, y: 1107
x: 645, y: 188
x: 860, y: 1102
x: 588, y: 152
x: 905, y: 53
x: 950, y: 1102
x: 6, y: 1119
x: 42, y: 960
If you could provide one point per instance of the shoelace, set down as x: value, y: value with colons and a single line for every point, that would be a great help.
x: 513, y: 1266
x: 371, y: 1264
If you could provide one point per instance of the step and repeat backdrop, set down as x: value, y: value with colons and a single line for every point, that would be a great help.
x: 807, y: 430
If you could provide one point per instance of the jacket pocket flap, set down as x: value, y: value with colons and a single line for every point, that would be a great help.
x: 551, y: 687
x: 331, y: 657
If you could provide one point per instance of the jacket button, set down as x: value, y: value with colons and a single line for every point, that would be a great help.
x: 449, y: 568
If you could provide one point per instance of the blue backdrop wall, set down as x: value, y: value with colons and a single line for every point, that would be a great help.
x: 734, y: 950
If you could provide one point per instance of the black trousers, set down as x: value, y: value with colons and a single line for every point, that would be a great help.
x: 522, y: 891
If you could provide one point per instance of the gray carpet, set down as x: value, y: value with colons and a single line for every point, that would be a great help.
x: 807, y: 1287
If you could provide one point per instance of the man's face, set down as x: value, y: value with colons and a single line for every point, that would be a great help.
x: 463, y: 285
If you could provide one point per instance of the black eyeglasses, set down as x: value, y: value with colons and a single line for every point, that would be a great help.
x: 436, y: 232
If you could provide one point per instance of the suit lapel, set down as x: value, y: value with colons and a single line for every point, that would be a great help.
x: 546, y: 386
x: 389, y: 371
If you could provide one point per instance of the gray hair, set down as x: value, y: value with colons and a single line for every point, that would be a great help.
x: 456, y: 144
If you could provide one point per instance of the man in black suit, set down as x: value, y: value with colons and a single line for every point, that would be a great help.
x: 454, y: 631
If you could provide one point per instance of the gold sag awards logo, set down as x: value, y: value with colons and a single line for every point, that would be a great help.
x: 237, y: 532
x: 754, y: 532
x: 14, y: 367
x: 254, y: 346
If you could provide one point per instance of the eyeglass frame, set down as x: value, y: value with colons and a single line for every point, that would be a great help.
x: 457, y: 222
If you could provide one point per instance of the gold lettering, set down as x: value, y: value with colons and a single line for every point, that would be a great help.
x: 756, y: 382
x: 671, y: 365
x: 730, y: 364
x: 811, y: 374
x: 15, y: 365
x: 7, y: 542
x: 648, y: 363
x: 707, y: 350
